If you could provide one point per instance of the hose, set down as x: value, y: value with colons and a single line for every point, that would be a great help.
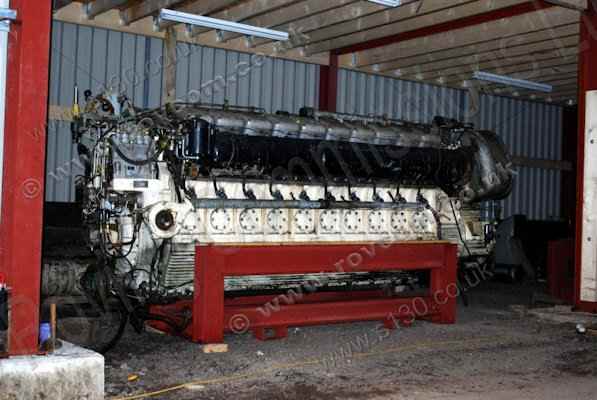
x: 139, y: 163
x: 459, y: 231
x: 177, y: 328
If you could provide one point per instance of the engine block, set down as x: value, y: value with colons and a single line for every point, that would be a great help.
x: 161, y: 181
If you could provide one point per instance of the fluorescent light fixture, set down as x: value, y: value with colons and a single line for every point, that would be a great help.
x: 387, y: 3
x: 220, y: 24
x: 508, y: 81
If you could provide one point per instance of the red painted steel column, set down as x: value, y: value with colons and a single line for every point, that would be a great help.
x: 569, y: 149
x: 587, y: 80
x: 24, y: 168
x: 328, y: 84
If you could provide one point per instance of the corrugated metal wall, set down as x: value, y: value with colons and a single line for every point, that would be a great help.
x: 215, y: 75
x: 96, y: 59
x: 361, y: 93
x: 533, y: 130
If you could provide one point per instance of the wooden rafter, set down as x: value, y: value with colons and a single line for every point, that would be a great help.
x: 244, y: 11
x: 287, y: 14
x: 97, y: 7
x: 339, y: 14
x: 206, y: 7
x: 145, y: 9
x: 448, y: 59
x: 533, y: 27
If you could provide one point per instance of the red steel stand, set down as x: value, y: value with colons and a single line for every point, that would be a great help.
x: 212, y: 314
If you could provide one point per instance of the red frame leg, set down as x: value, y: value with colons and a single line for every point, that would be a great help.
x: 208, y: 310
x: 444, y: 288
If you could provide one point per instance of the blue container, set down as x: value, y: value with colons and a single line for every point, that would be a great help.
x: 45, y: 332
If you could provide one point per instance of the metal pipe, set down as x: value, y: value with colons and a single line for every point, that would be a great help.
x: 370, y: 205
x: 298, y: 204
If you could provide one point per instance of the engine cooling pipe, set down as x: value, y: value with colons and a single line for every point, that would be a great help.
x: 300, y: 204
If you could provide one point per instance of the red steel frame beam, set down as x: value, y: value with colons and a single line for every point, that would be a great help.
x: 24, y: 169
x: 587, y: 80
x: 328, y: 85
x: 494, y: 15
x: 212, y: 315
x: 569, y: 149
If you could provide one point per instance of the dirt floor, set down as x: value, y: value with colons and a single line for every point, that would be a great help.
x: 493, y: 352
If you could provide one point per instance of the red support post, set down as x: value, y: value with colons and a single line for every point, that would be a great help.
x: 328, y: 84
x: 587, y: 81
x: 444, y: 289
x: 493, y: 15
x: 569, y: 149
x: 24, y: 168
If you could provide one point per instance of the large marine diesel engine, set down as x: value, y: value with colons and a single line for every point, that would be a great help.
x: 159, y: 182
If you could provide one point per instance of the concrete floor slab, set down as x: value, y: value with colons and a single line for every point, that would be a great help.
x: 491, y: 353
x: 71, y: 373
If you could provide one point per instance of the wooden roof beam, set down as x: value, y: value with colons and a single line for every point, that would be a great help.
x: 287, y: 14
x: 204, y: 7
x: 375, y: 38
x: 462, y: 16
x: 97, y: 7
x: 351, y: 10
x: 531, y: 72
x: 531, y: 27
x: 146, y: 8
x: 390, y: 20
x: 572, y: 5
x: 567, y: 53
x: 58, y: 4
x: 467, y: 57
